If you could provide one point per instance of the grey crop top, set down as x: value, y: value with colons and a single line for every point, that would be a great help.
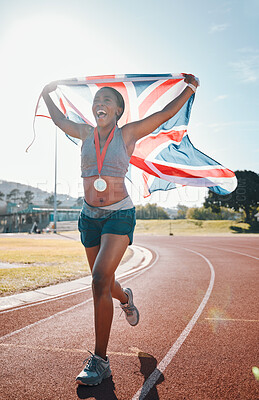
x: 116, y: 160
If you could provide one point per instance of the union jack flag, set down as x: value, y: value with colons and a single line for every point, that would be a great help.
x: 164, y: 159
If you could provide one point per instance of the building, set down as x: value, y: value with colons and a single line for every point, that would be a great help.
x: 16, y: 218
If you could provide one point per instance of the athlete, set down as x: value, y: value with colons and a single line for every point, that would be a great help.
x: 107, y: 219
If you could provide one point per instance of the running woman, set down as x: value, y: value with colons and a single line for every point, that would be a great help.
x: 107, y: 219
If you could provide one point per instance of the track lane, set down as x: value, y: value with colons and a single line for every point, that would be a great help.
x: 167, y: 296
x: 22, y: 317
x: 219, y: 355
x: 157, y: 373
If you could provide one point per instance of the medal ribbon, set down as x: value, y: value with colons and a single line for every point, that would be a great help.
x: 100, y: 157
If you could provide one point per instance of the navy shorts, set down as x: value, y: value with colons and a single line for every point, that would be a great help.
x: 119, y: 222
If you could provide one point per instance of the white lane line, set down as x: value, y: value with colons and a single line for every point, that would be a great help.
x: 53, y: 298
x: 86, y: 288
x: 152, y: 379
x: 138, y: 272
x: 232, y: 251
x: 44, y: 320
x: 246, y: 247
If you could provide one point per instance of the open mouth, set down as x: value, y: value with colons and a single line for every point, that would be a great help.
x: 101, y: 113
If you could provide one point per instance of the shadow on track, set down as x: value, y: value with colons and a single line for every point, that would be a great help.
x: 148, y: 365
x: 104, y: 391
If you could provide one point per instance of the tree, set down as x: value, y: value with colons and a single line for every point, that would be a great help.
x: 200, y: 213
x: 206, y: 213
x: 14, y: 195
x: 244, y: 197
x: 151, y: 211
x: 50, y: 201
x: 181, y: 211
x: 28, y: 197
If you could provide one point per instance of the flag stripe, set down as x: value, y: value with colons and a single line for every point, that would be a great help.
x: 164, y: 159
x: 155, y: 94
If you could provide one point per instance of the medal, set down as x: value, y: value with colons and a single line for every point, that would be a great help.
x: 99, y: 184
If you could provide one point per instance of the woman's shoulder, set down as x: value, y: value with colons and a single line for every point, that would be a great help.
x: 86, y: 131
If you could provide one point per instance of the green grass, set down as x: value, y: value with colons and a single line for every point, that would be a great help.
x: 45, y: 262
x: 183, y: 227
x: 50, y: 261
x: 31, y: 251
x: 17, y: 280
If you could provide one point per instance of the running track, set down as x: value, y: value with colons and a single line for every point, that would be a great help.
x: 197, y: 338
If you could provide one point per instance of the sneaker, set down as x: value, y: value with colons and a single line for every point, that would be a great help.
x: 95, y: 371
x: 131, y: 311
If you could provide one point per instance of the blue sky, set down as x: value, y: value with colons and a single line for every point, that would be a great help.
x: 41, y: 41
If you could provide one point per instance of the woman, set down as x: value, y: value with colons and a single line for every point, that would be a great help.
x: 107, y: 219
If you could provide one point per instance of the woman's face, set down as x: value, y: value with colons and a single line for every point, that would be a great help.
x: 105, y: 107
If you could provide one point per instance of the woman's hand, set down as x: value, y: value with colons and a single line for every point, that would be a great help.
x: 138, y: 129
x: 188, y: 78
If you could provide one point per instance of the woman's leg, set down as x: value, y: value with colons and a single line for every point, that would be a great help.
x: 116, y: 289
x: 117, y: 292
x: 107, y: 260
x: 91, y: 254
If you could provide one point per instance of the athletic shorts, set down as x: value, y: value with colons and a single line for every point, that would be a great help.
x: 118, y: 222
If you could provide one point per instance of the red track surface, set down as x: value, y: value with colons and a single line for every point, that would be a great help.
x: 213, y: 362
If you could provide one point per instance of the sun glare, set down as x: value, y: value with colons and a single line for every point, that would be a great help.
x: 40, y: 45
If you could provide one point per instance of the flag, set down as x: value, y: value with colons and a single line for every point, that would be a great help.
x: 162, y: 160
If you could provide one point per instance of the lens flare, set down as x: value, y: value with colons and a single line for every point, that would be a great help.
x: 255, y: 371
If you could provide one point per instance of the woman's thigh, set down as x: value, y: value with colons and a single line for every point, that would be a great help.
x: 91, y: 254
x: 111, y: 251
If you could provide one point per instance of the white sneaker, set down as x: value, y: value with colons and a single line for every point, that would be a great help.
x: 95, y: 371
x: 131, y: 311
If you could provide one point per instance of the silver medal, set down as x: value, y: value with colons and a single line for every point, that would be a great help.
x: 100, y: 185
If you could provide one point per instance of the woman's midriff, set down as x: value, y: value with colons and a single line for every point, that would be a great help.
x: 115, y: 191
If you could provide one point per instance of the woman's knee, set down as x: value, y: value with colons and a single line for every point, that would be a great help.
x: 101, y: 282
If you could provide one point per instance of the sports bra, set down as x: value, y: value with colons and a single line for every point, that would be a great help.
x: 116, y: 160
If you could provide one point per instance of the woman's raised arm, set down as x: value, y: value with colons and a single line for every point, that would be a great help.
x: 137, y: 130
x: 80, y: 131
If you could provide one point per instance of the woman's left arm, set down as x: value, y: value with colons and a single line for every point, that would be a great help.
x: 136, y: 130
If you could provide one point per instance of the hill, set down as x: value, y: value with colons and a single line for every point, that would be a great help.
x: 39, y: 195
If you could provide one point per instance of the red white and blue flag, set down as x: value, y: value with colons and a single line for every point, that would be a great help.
x: 164, y: 159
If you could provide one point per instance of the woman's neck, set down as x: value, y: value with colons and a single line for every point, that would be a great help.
x: 104, y: 131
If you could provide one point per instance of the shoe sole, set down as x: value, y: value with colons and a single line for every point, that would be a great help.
x: 128, y: 289
x: 137, y: 319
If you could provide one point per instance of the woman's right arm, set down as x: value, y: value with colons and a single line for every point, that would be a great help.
x: 80, y: 131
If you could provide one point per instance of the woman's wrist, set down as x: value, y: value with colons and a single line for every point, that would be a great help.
x: 193, y: 87
x: 192, y: 81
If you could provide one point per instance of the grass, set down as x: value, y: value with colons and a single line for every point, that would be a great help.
x: 45, y: 262
x: 42, y: 262
x: 31, y: 251
x: 17, y: 280
x: 181, y: 227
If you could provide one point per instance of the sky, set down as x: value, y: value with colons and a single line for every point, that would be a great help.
x: 42, y: 41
